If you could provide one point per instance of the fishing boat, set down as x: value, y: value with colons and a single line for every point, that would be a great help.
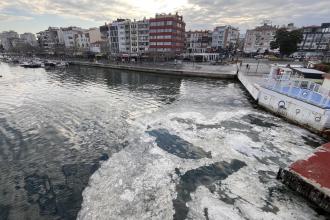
x: 31, y: 64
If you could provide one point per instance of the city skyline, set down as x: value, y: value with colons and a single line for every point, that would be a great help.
x: 33, y: 15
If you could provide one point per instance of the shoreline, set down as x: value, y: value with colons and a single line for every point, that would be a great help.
x: 164, y: 71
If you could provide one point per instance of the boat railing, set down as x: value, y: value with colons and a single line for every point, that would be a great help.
x: 304, y: 90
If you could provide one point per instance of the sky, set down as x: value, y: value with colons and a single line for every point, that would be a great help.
x: 36, y: 15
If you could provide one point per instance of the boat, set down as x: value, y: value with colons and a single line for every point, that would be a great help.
x: 62, y: 64
x: 49, y: 63
x: 31, y: 64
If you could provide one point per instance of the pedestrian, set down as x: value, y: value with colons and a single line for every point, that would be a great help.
x: 247, y: 66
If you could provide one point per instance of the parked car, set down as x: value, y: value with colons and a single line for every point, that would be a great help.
x: 259, y: 57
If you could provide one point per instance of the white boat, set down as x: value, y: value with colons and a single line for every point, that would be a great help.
x: 62, y: 64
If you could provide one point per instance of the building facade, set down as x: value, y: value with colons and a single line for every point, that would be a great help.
x: 7, y: 38
x: 198, y: 41
x: 143, y: 36
x: 82, y: 40
x: 167, y: 34
x: 94, y: 35
x: 258, y: 40
x: 225, y: 37
x: 50, y: 39
x: 67, y: 36
x: 316, y: 38
x: 29, y: 38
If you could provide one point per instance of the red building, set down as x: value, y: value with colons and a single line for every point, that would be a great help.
x: 167, y: 33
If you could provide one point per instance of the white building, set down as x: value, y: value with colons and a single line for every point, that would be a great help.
x: 128, y: 38
x: 67, y: 36
x: 6, y: 39
x: 81, y: 40
x: 29, y: 38
x: 258, y: 39
x: 225, y: 36
x: 134, y: 41
x: 143, y: 35
x: 120, y: 36
x: 198, y: 41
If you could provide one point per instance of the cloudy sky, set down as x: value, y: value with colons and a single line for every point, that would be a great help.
x: 36, y: 15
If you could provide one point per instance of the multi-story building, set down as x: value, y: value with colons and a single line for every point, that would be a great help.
x: 134, y: 40
x: 119, y: 35
x: 316, y: 38
x: 258, y: 39
x: 82, y: 40
x: 126, y: 37
x: 6, y: 39
x: 198, y: 41
x: 50, y: 39
x: 105, y: 43
x: 67, y: 36
x: 143, y: 36
x: 225, y: 37
x: 29, y: 38
x: 94, y: 35
x: 167, y: 34
x: 139, y: 36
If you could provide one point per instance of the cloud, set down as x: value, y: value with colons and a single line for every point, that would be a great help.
x: 7, y: 18
x: 248, y: 13
x: 198, y: 14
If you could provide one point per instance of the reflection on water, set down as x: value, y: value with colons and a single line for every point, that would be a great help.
x: 158, y: 148
x: 57, y: 125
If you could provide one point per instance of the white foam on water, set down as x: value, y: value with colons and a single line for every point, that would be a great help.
x: 140, y: 181
x: 202, y: 199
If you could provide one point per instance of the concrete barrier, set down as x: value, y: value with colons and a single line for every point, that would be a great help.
x: 252, y: 88
x: 219, y: 75
x: 310, y: 177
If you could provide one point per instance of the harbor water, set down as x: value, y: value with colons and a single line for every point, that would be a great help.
x: 92, y: 143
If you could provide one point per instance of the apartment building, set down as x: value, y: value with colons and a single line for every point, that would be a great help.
x: 258, y: 39
x: 29, y: 38
x: 126, y: 37
x: 6, y: 39
x: 225, y: 37
x: 82, y: 40
x: 316, y: 38
x: 167, y: 34
x: 119, y: 36
x: 143, y: 35
x: 198, y: 41
x: 67, y: 36
x: 94, y: 35
x: 50, y: 39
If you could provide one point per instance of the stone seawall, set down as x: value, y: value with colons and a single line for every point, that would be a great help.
x: 232, y: 74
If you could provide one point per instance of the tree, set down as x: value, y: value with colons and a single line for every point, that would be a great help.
x: 286, y: 41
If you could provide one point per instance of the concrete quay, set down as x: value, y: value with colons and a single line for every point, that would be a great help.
x: 310, y: 177
x: 206, y: 71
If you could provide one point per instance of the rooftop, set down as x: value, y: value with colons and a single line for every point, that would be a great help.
x: 312, y: 71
